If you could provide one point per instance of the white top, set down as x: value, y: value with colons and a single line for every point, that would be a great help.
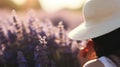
x: 107, y: 62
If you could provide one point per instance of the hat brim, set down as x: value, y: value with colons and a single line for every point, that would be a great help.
x: 87, y: 30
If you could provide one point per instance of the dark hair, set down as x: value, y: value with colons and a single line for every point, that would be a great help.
x: 108, y: 44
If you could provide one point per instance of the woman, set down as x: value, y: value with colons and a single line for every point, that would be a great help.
x: 102, y: 25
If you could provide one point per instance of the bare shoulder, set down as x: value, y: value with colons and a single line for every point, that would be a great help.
x: 93, y: 63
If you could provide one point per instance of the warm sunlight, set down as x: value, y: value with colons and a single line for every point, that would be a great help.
x: 54, y: 5
x: 19, y: 2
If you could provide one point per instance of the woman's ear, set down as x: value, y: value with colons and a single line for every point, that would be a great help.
x: 89, y: 46
x: 91, y: 54
x: 87, y: 53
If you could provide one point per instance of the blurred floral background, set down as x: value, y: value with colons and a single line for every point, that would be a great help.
x: 67, y: 10
x: 33, y: 33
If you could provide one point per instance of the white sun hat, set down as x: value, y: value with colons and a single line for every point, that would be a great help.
x: 101, y: 17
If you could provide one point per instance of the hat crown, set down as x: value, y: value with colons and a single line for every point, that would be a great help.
x: 98, y: 10
x: 101, y: 17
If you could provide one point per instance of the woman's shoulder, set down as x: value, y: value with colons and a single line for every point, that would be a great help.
x: 93, y: 63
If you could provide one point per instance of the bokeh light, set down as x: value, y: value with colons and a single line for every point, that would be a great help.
x: 19, y: 2
x: 55, y: 5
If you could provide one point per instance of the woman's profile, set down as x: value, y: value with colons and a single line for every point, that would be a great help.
x: 102, y: 25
